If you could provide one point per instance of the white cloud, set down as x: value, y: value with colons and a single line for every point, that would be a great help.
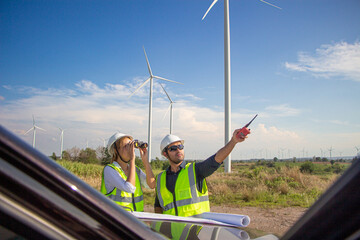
x: 90, y: 112
x: 276, y: 133
x: 269, y: 141
x: 283, y: 110
x: 339, y: 59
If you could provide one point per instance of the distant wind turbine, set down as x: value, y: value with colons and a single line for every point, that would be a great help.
x: 151, y: 77
x: 34, y: 131
x: 61, y: 141
x: 303, y: 152
x: 330, y: 150
x: 227, y: 75
x: 169, y: 108
x: 104, y: 140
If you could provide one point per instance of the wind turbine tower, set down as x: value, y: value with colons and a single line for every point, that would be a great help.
x: 151, y: 77
x: 227, y: 75
x: 321, y: 152
x: 170, y: 108
x: 34, y: 127
x: 330, y: 150
x: 104, y: 141
x: 303, y: 152
x: 61, y: 141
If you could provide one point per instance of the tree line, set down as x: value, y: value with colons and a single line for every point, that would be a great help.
x: 101, y: 156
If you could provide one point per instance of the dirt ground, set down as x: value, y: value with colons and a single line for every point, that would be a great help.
x: 275, y: 220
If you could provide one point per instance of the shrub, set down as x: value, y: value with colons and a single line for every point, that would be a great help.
x: 53, y: 156
x: 270, y: 164
x: 88, y: 156
x: 338, y: 168
x: 159, y: 164
x: 307, y: 167
x: 139, y: 163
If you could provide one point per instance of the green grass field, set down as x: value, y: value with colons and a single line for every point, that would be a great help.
x: 260, y: 184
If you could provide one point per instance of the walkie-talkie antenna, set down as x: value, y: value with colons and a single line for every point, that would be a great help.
x: 250, y: 121
x: 245, y: 131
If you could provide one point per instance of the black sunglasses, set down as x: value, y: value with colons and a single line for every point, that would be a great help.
x: 175, y: 147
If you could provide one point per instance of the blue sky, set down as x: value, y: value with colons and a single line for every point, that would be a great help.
x: 73, y: 64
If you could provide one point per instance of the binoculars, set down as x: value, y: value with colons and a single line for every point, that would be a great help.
x: 140, y: 144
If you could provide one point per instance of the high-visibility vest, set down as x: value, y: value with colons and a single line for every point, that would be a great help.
x: 187, y: 200
x: 177, y: 230
x: 130, y: 201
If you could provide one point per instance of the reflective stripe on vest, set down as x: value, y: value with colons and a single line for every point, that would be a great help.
x: 187, y: 203
x: 133, y: 202
x: 173, y: 230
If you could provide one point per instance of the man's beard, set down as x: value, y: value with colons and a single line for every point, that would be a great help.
x: 176, y: 160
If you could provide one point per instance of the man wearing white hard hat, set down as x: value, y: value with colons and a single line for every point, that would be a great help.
x: 121, y: 179
x: 181, y: 189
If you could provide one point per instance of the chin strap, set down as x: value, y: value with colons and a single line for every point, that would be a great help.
x: 117, y: 151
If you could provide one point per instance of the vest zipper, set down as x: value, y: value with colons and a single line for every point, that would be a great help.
x: 174, y: 197
x: 133, y: 201
x: 176, y: 210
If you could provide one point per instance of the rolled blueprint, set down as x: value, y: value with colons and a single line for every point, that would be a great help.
x: 232, y: 219
x: 241, y: 234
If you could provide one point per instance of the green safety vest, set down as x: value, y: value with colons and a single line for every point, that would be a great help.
x: 177, y: 230
x: 187, y: 201
x: 130, y: 201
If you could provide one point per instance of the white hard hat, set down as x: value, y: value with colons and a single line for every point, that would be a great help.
x: 169, y: 139
x: 117, y: 135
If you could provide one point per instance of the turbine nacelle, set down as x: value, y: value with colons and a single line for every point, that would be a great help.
x: 151, y: 76
x: 34, y: 127
x: 215, y: 1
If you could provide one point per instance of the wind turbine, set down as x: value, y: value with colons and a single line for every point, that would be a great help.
x: 227, y: 75
x: 303, y: 152
x: 330, y: 150
x: 34, y: 131
x: 104, y: 140
x: 169, y: 108
x: 321, y: 152
x: 151, y: 77
x: 61, y: 141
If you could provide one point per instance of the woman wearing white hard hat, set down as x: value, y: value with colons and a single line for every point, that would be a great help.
x: 121, y: 179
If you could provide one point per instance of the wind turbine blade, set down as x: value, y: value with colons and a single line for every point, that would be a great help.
x: 271, y: 4
x: 166, y: 93
x: 39, y: 128
x: 167, y: 111
x: 139, y: 87
x: 147, y: 61
x: 213, y: 3
x: 161, y: 78
x: 29, y: 130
